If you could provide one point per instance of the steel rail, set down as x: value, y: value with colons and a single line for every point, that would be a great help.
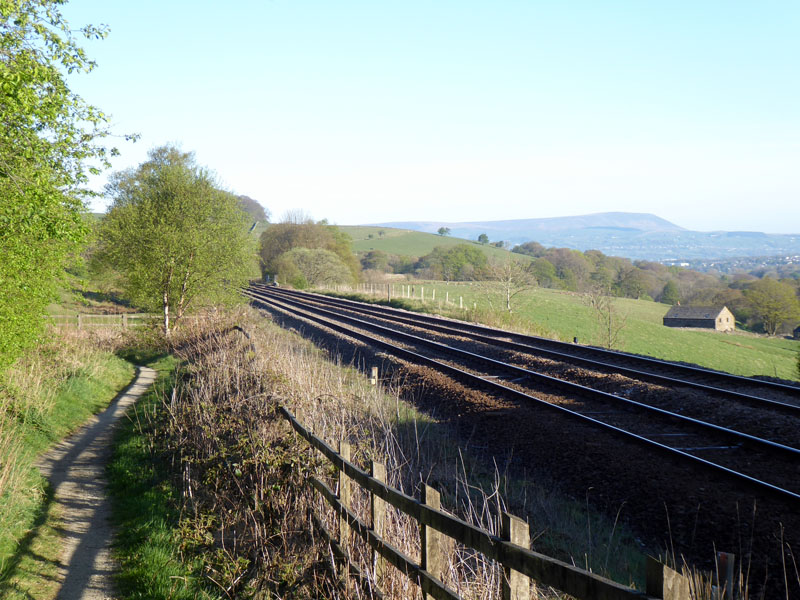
x: 757, y: 484
x: 555, y: 355
x: 569, y: 386
x: 479, y: 332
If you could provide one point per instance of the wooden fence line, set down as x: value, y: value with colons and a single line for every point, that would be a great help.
x: 81, y: 320
x: 124, y: 320
x: 517, y: 561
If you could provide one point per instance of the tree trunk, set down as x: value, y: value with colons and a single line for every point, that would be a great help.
x: 166, y: 314
x: 166, y: 304
x: 184, y: 285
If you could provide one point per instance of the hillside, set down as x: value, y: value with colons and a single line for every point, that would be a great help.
x: 630, y: 235
x: 405, y: 242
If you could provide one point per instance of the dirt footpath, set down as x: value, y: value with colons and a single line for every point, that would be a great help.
x: 76, y: 470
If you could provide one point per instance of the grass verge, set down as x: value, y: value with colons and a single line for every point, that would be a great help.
x: 43, y: 398
x: 149, y: 548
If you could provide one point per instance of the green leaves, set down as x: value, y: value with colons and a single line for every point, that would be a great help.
x: 178, y: 240
x: 47, y: 135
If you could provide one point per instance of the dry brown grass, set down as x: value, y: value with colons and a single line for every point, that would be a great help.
x: 242, y: 471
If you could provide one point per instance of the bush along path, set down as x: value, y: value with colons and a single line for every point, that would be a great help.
x: 76, y: 471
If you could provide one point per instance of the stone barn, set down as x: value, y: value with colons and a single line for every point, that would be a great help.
x: 703, y: 317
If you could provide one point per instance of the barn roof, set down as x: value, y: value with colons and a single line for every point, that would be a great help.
x: 694, y: 312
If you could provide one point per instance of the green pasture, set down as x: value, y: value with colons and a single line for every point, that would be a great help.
x: 405, y: 242
x: 565, y: 315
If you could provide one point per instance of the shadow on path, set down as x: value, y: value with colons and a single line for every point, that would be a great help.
x: 76, y: 471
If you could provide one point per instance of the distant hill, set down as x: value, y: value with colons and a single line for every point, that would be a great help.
x: 631, y: 235
x: 405, y: 242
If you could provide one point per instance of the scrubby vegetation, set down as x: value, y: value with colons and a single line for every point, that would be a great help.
x: 240, y: 506
x: 302, y: 252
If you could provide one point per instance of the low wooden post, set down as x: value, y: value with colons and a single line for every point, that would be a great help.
x: 374, y: 376
x: 431, y: 542
x: 124, y: 321
x: 447, y: 297
x: 725, y: 574
x: 378, y: 510
x: 422, y: 293
x: 433, y: 295
x: 460, y: 302
x: 344, y: 497
x: 515, y: 585
x: 663, y: 582
x: 80, y: 320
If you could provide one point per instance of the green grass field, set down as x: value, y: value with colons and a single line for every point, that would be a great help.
x: 565, y: 315
x: 405, y: 242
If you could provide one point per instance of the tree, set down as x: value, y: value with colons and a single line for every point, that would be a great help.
x: 670, y: 294
x: 774, y: 302
x: 456, y: 263
x: 545, y: 272
x: 513, y: 277
x: 375, y: 260
x: 443, y: 231
x: 253, y: 208
x: 483, y: 238
x: 610, y: 320
x: 299, y: 231
x: 631, y: 282
x: 177, y: 239
x: 50, y: 139
x: 531, y: 249
x: 303, y: 267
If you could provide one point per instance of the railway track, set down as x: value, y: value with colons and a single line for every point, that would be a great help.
x: 763, y: 393
x: 768, y: 467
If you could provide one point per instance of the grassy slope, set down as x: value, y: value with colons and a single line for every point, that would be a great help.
x: 405, y: 242
x: 29, y: 541
x: 564, y: 315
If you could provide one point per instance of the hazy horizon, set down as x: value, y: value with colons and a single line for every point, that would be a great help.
x: 377, y: 112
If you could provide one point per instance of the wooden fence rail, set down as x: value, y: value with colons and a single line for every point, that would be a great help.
x: 124, y: 320
x: 82, y: 320
x: 520, y: 564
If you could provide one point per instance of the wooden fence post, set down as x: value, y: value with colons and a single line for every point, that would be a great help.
x: 460, y: 302
x: 725, y: 574
x: 344, y: 526
x: 344, y: 497
x: 663, y: 582
x: 374, y: 376
x: 378, y: 509
x: 515, y: 585
x: 432, y: 559
x: 124, y: 320
x: 80, y: 320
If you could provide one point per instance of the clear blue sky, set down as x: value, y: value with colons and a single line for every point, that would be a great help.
x: 374, y: 111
